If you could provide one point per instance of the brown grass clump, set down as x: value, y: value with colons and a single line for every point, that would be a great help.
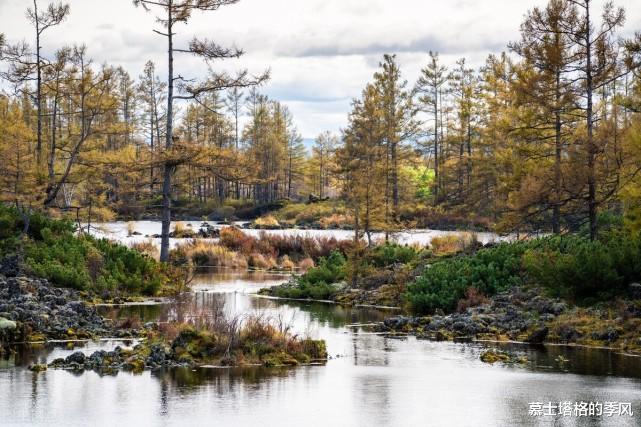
x: 453, y: 243
x: 306, y: 264
x: 131, y: 228
x: 146, y: 247
x: 268, y: 222
x: 233, y: 238
x: 212, y: 338
x: 261, y: 262
x: 203, y: 254
x: 473, y: 298
x: 335, y: 221
x: 273, y: 245
x: 287, y: 264
x: 181, y: 230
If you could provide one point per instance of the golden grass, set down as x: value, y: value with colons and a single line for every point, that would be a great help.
x: 306, y: 264
x: 287, y: 264
x: 146, y: 247
x: 179, y: 229
x: 268, y: 221
x: 204, y: 254
x: 452, y: 243
x: 131, y: 228
x: 335, y: 221
x: 261, y: 262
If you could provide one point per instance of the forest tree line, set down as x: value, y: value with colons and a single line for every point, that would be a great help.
x: 545, y: 136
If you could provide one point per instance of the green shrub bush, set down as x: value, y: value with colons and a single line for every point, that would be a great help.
x: 53, y: 251
x: 445, y: 282
x: 570, y: 267
x: 391, y: 253
x: 318, y: 282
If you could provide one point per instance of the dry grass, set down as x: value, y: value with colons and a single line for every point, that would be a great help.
x: 287, y: 264
x: 453, y: 243
x: 261, y: 262
x: 131, y: 228
x: 146, y: 247
x: 181, y: 230
x: 205, y: 254
x: 473, y: 298
x: 212, y: 337
x: 275, y: 245
x: 306, y: 264
x: 268, y: 221
x: 336, y: 221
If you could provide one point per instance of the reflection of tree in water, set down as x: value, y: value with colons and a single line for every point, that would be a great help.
x: 332, y: 315
x: 373, y: 390
x: 225, y: 383
x: 368, y: 350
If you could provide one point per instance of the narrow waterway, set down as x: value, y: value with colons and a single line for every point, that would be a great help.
x: 370, y: 380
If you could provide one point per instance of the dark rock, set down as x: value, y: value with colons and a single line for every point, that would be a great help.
x: 608, y: 335
x: 538, y: 335
x: 10, y: 266
x: 77, y: 357
x: 635, y: 290
x: 568, y: 333
x: 157, y: 355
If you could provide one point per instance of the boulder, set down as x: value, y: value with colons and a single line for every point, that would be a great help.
x: 7, y: 325
x: 77, y: 357
x: 538, y: 335
x: 635, y: 290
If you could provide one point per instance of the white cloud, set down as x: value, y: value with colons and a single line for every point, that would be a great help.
x: 321, y: 52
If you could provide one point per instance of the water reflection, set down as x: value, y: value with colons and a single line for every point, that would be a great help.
x: 376, y: 381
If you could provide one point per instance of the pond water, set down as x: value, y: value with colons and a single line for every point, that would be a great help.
x: 370, y: 380
x: 120, y: 231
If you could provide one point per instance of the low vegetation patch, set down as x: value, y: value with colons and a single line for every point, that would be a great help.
x: 326, y: 214
x: 572, y: 267
x: 51, y: 249
x: 210, y: 340
x: 384, y: 268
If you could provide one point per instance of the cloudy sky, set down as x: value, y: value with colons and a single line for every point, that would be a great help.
x: 321, y: 52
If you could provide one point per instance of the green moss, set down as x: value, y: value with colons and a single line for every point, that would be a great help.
x: 493, y: 356
x: 279, y: 359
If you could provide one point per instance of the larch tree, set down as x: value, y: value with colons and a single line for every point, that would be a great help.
x: 546, y: 87
x: 234, y: 103
x: 464, y: 87
x: 53, y: 15
x: 597, y: 57
x: 171, y: 14
x: 152, y: 91
x: 399, y: 126
x: 92, y: 99
x: 324, y: 146
x: 429, y: 88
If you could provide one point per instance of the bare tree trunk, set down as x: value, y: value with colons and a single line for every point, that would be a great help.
x: 38, y: 87
x: 556, y: 211
x: 436, y: 175
x: 592, y: 202
x: 168, y: 168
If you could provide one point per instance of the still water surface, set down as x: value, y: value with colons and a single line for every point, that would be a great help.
x: 120, y: 231
x: 371, y: 380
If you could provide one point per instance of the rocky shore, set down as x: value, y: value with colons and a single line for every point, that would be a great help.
x: 388, y: 295
x: 525, y: 315
x: 32, y: 310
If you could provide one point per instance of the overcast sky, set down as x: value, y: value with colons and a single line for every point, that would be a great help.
x: 321, y: 52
